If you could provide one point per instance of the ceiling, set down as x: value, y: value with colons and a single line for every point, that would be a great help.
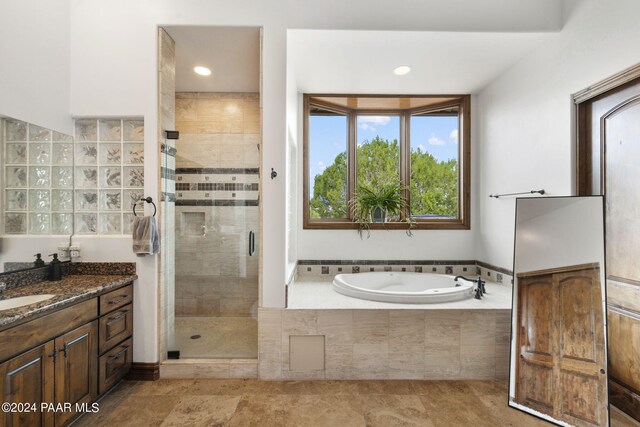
x: 383, y: 103
x: 336, y: 61
x: 232, y: 54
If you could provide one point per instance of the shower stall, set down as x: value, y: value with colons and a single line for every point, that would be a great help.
x: 216, y: 217
x: 210, y: 180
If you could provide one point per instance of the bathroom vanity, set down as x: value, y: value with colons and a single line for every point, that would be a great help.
x: 66, y: 350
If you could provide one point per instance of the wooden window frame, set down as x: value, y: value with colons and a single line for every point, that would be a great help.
x: 462, y: 102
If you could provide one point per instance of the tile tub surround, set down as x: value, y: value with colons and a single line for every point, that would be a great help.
x: 318, y: 294
x: 320, y: 268
x: 389, y: 344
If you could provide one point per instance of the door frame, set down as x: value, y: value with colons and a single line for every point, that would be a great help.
x: 583, y: 159
x: 619, y: 396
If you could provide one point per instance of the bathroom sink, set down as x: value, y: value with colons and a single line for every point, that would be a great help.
x: 10, y: 303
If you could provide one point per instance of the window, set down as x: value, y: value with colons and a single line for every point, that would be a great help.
x: 421, y: 142
x: 327, y: 171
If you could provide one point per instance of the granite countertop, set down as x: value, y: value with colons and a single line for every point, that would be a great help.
x: 71, y: 289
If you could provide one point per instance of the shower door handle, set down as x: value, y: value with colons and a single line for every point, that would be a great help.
x: 252, y: 243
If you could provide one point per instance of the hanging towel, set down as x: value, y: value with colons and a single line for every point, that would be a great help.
x: 146, y: 240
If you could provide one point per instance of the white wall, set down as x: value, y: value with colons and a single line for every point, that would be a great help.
x: 113, y: 73
x: 561, y: 232
x: 293, y: 101
x: 113, y: 67
x: 526, y: 130
x: 34, y: 62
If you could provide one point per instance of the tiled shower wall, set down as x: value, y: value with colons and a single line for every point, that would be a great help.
x: 217, y: 178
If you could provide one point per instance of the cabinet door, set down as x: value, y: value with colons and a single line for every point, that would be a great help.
x: 76, y: 370
x: 28, y: 378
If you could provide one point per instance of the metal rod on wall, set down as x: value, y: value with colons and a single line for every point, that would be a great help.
x: 517, y: 194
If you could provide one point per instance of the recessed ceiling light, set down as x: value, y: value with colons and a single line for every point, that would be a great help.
x: 203, y: 71
x: 402, y: 70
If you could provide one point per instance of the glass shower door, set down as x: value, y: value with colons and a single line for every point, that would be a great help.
x: 217, y: 223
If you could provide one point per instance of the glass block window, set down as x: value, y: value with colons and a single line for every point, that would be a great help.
x: 109, y: 174
x: 38, y: 179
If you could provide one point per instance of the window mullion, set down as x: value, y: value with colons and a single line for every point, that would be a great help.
x: 405, y: 158
x: 351, y: 160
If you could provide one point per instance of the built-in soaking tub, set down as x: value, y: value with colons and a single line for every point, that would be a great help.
x: 408, y: 288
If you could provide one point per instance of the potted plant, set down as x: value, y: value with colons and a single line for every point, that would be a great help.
x: 378, y: 205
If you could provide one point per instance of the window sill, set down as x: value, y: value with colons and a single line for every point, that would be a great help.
x: 453, y: 224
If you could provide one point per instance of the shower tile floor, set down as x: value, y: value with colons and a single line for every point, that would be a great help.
x: 220, y: 337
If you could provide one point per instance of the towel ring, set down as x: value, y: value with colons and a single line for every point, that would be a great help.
x: 148, y: 200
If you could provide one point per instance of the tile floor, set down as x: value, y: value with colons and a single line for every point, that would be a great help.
x: 220, y: 337
x: 307, y: 403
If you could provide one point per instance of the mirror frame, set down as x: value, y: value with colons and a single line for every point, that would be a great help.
x: 514, y: 351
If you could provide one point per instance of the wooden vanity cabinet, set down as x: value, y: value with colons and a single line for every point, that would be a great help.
x: 28, y: 378
x: 83, y: 351
x: 115, y: 343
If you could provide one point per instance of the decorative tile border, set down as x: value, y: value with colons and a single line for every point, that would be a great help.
x: 214, y: 171
x: 216, y: 202
x: 217, y: 186
x: 385, y: 262
x: 168, y: 150
x: 323, y: 269
x: 167, y: 197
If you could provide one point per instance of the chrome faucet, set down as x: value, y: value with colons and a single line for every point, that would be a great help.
x: 464, y: 278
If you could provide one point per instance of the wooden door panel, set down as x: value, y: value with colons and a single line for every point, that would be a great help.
x: 578, y: 398
x: 621, y: 131
x: 537, y: 386
x: 608, y: 154
x: 562, y: 346
x: 624, y: 342
x: 535, y: 367
x: 28, y: 378
x: 577, y: 318
x: 537, y: 325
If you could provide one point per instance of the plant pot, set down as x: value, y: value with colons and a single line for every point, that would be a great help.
x: 379, y: 215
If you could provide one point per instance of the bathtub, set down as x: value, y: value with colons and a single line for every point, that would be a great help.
x: 411, y: 288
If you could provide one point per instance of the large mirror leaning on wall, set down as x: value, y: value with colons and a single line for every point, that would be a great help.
x: 37, y: 200
x: 558, y: 343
